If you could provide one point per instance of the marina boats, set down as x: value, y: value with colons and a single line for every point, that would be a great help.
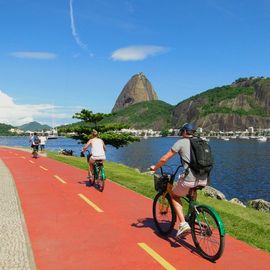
x: 262, y: 139
x: 53, y: 134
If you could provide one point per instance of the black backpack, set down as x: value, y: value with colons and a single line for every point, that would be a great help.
x: 36, y: 140
x: 201, y: 158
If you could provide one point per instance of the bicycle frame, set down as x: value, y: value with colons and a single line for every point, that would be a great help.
x: 206, y: 226
x: 191, y: 200
x: 98, y: 168
x: 221, y: 225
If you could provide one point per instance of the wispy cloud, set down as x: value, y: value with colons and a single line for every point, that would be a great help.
x: 137, y: 53
x: 34, y: 55
x: 16, y: 115
x: 74, y: 31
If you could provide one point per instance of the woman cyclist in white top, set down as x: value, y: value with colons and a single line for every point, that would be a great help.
x: 98, y: 149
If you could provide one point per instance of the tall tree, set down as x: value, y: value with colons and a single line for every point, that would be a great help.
x: 108, y: 133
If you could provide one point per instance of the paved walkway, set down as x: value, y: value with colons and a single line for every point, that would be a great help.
x: 15, y: 248
x: 72, y: 226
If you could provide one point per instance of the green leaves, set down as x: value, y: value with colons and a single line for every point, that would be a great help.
x: 108, y: 132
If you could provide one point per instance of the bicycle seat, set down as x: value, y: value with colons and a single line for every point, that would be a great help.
x: 192, y: 194
x: 197, y: 188
x: 99, y: 162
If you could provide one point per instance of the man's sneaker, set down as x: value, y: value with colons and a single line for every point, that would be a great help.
x: 183, y: 230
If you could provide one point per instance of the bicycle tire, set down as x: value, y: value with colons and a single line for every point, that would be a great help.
x: 164, y: 213
x: 91, y: 180
x: 100, y: 180
x: 206, y: 233
x: 34, y: 154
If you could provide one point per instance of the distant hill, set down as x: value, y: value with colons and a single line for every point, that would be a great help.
x: 4, y: 129
x: 153, y: 114
x: 34, y: 126
x: 243, y: 104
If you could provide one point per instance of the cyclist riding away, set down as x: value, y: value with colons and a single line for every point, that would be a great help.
x: 188, y: 179
x: 98, y: 149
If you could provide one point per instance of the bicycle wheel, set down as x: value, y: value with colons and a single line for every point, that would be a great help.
x: 91, y: 180
x: 163, y: 213
x: 100, y: 179
x: 206, y: 233
x: 35, y: 154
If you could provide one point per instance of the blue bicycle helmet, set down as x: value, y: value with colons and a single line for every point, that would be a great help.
x: 188, y: 127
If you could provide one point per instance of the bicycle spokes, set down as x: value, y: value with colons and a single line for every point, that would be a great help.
x: 163, y: 212
x: 206, y: 233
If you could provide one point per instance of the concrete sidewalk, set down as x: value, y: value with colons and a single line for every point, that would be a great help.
x: 15, y: 248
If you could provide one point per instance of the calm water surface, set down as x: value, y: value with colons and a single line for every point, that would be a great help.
x: 242, y: 167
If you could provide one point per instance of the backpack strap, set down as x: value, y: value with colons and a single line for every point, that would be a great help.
x: 184, y: 161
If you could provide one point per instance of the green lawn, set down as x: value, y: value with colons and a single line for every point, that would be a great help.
x: 246, y: 224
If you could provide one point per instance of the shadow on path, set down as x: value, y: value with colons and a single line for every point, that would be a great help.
x: 173, y: 241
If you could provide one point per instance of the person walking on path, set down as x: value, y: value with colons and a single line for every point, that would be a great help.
x: 43, y: 141
x: 98, y: 149
x: 187, y: 180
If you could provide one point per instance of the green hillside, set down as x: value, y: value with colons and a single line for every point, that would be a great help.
x: 4, y: 129
x: 34, y: 126
x: 243, y: 104
x: 154, y: 114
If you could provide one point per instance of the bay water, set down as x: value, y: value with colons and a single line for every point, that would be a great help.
x: 241, y: 170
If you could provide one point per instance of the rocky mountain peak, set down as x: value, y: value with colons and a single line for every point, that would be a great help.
x: 137, y: 89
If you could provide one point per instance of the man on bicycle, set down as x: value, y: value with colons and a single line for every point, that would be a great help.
x: 187, y: 180
x: 34, y: 140
x: 97, y: 151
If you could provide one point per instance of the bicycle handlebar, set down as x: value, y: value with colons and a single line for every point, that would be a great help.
x: 173, y: 174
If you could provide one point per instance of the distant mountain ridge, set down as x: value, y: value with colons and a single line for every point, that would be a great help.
x: 4, y: 129
x: 34, y: 126
x: 245, y: 103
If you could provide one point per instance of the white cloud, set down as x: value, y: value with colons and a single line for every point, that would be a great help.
x: 74, y: 31
x: 16, y: 115
x: 136, y: 53
x: 34, y: 55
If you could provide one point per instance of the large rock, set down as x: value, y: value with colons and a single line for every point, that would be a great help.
x: 213, y: 193
x: 137, y: 89
x: 260, y: 205
x: 237, y: 201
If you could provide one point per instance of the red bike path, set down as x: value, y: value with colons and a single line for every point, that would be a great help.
x: 72, y: 226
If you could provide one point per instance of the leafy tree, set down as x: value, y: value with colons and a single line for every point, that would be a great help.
x: 108, y: 132
x: 164, y: 133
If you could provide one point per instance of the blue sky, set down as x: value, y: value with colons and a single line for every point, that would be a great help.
x: 58, y: 56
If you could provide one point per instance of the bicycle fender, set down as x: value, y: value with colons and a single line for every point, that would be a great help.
x: 220, y: 223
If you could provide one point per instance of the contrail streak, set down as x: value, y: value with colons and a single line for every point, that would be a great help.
x: 74, y: 31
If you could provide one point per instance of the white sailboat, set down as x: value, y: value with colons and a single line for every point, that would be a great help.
x: 53, y: 133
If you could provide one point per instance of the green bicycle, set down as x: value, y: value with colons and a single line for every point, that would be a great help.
x: 207, y: 229
x: 99, y: 178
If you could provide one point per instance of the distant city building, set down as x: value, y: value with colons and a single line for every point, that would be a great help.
x: 251, y: 129
x: 16, y: 130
